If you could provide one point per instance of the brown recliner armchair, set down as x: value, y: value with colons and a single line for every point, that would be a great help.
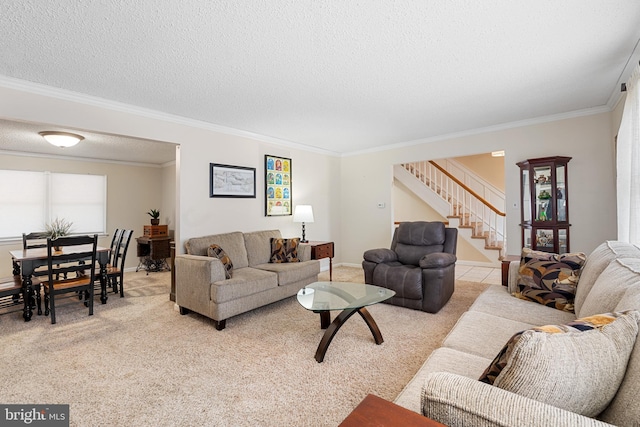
x: 419, y: 267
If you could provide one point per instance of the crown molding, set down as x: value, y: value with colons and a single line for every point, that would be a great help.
x: 83, y: 159
x: 478, y: 131
x: 66, y: 95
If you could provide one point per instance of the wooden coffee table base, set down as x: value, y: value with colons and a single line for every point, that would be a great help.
x: 375, y: 411
x: 332, y: 329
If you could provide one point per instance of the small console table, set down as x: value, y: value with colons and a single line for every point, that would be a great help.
x: 320, y: 250
x: 153, y: 253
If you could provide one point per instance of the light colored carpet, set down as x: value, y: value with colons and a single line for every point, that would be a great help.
x: 137, y: 361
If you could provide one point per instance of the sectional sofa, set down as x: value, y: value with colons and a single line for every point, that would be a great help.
x: 203, y: 284
x: 447, y: 389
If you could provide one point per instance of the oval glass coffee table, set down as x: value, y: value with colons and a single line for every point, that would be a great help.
x: 351, y: 298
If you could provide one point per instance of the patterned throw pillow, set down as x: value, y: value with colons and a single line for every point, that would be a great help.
x: 216, y: 251
x: 284, y: 250
x: 578, y: 366
x: 549, y: 279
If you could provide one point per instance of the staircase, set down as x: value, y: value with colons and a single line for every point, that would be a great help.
x: 465, y: 208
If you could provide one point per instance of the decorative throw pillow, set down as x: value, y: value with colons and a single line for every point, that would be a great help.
x: 216, y: 251
x: 549, y: 279
x: 284, y: 250
x: 578, y: 366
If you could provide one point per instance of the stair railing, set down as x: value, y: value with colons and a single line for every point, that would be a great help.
x: 472, y: 209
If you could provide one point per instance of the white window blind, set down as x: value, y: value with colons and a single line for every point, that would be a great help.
x: 28, y: 200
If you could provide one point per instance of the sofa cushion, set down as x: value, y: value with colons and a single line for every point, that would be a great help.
x: 258, y: 245
x: 216, y: 251
x: 441, y: 360
x: 284, y: 250
x: 610, y: 286
x: 549, y: 279
x: 233, y: 244
x: 245, y: 281
x: 497, y: 301
x: 578, y: 367
x: 482, y: 334
x: 596, y: 262
x: 293, y: 272
x: 624, y: 409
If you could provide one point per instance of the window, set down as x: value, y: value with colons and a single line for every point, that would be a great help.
x: 29, y: 200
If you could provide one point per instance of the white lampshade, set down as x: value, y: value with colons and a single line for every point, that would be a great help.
x: 61, y: 139
x: 303, y: 213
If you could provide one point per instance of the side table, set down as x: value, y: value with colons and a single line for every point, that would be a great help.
x: 506, y: 260
x: 375, y: 411
x: 153, y: 253
x: 321, y: 250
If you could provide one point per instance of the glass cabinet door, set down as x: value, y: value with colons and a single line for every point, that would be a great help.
x: 526, y: 197
x: 543, y: 178
x: 560, y: 193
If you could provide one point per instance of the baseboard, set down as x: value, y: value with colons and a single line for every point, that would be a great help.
x: 478, y: 264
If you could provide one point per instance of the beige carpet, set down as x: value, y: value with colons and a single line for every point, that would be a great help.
x: 137, y: 361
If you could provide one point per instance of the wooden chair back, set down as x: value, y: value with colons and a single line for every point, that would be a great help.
x: 71, y: 262
x: 36, y: 239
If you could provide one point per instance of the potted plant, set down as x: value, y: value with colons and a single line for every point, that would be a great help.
x: 57, y: 228
x: 155, y: 216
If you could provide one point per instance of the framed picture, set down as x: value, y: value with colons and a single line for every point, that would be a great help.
x: 277, y: 179
x: 231, y: 181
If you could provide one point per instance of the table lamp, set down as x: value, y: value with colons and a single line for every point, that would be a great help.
x: 303, y: 213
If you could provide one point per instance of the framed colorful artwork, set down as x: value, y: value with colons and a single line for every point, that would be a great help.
x: 277, y: 179
x: 231, y: 181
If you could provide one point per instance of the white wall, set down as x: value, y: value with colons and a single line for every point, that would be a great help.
x: 367, y: 180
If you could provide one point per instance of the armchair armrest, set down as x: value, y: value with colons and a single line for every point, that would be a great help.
x: 437, y: 260
x: 194, y: 276
x: 304, y: 252
x: 512, y: 282
x: 380, y: 255
x: 455, y: 400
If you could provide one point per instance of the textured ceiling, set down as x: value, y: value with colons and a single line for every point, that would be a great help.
x: 24, y: 138
x: 342, y: 76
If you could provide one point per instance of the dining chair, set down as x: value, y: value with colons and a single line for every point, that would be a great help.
x: 77, y: 254
x: 11, y: 287
x: 115, y: 241
x: 34, y: 240
x: 115, y: 269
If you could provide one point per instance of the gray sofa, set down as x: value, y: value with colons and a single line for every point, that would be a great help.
x: 201, y: 285
x: 446, y: 388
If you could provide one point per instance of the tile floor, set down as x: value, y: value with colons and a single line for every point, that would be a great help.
x: 471, y: 273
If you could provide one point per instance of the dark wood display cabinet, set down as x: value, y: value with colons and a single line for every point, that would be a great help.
x: 544, y: 204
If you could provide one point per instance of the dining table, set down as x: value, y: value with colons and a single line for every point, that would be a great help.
x: 26, y: 261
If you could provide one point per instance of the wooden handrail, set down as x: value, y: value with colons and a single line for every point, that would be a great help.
x: 473, y: 193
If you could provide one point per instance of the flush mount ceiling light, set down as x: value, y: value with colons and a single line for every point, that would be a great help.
x: 497, y: 153
x: 61, y: 139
